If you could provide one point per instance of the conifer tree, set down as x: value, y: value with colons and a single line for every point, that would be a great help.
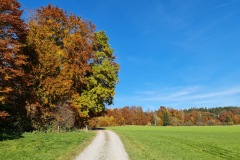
x: 166, y: 120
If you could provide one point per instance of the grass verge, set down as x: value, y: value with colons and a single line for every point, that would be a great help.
x: 156, y: 143
x: 39, y: 146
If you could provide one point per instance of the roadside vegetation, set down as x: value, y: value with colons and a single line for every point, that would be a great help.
x: 39, y: 145
x: 195, y: 142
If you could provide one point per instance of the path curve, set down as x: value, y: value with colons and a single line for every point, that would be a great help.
x: 106, y: 146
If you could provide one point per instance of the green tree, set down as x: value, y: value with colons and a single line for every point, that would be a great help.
x: 229, y: 120
x: 166, y: 120
x: 101, y: 81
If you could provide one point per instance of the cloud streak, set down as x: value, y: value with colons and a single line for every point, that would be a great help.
x: 225, y: 4
x: 184, y: 96
x: 193, y: 94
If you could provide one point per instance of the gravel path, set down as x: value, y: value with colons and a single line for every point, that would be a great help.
x: 106, y: 146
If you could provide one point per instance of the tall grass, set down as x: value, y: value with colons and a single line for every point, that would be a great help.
x: 45, y: 146
x: 148, y: 142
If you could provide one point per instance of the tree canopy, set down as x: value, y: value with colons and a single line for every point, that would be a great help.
x: 59, y: 60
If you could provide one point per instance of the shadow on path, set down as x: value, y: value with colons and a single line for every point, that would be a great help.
x: 98, y: 128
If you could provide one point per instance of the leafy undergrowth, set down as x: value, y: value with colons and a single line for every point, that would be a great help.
x: 39, y: 146
x: 148, y: 142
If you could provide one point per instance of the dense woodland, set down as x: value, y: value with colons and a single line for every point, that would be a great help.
x: 56, y: 70
x: 168, y: 117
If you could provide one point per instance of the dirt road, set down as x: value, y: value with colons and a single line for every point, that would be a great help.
x: 106, y: 146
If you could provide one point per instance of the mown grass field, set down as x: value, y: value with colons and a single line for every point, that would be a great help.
x: 45, y: 146
x: 207, y: 142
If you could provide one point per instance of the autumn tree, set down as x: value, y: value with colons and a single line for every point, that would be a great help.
x: 223, y: 116
x: 12, y: 59
x: 73, y: 66
x: 51, y: 73
x: 134, y: 115
x: 235, y: 119
x: 160, y: 115
x: 180, y: 117
x: 117, y: 114
x: 199, y: 119
x: 127, y: 115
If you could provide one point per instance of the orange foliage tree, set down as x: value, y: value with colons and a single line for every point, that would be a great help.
x: 13, y: 60
x: 72, y: 65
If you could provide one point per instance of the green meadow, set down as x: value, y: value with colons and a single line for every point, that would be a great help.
x: 141, y: 143
x: 156, y: 143
x: 48, y: 146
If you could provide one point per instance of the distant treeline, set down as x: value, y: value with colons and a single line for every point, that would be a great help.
x: 168, y: 117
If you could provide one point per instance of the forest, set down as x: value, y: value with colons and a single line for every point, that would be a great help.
x: 56, y: 69
x: 168, y: 117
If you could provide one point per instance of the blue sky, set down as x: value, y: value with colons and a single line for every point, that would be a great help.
x: 176, y: 53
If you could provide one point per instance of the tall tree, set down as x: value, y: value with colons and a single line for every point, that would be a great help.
x: 51, y: 77
x: 166, y: 120
x: 73, y: 66
x: 62, y: 45
x: 12, y: 38
x: 12, y: 58
x: 102, y: 80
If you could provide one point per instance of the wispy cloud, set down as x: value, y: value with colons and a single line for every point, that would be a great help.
x: 218, y: 94
x: 184, y: 97
x: 194, y: 93
x: 150, y: 92
x: 184, y: 92
x: 225, y: 4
